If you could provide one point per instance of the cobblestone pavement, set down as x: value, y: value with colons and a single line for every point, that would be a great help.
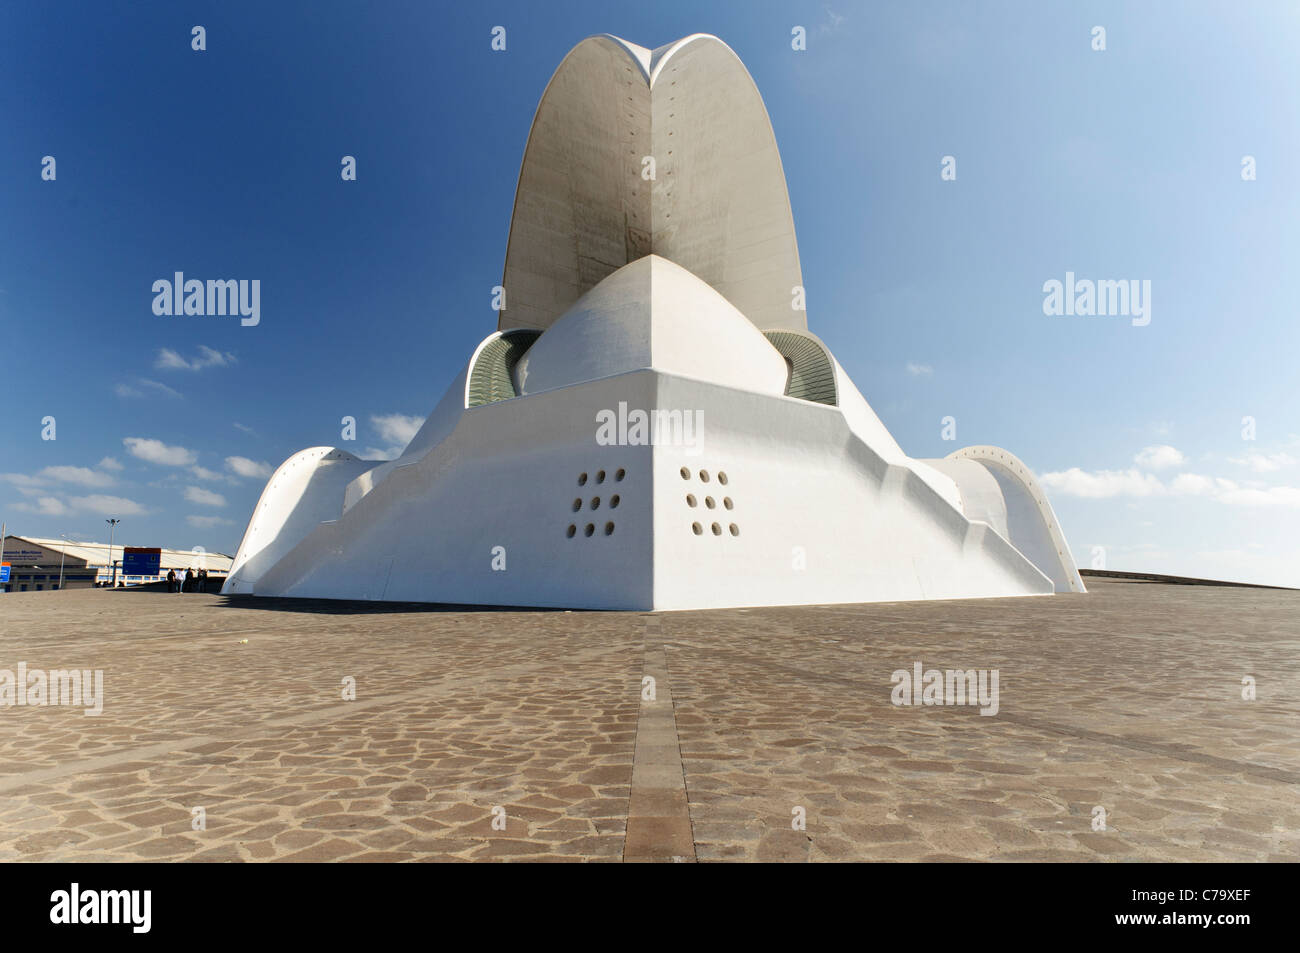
x: 512, y: 735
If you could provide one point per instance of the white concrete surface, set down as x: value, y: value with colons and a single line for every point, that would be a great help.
x: 651, y: 302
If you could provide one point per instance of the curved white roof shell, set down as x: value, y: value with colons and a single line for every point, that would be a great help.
x: 717, y: 204
x: 652, y: 313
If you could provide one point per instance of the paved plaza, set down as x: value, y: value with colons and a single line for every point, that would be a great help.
x: 530, y: 735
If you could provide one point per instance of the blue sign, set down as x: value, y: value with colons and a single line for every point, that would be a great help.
x: 4, y: 572
x: 141, y: 562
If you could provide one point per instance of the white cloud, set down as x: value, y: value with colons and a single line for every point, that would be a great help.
x: 1159, y: 457
x: 245, y: 429
x: 155, y: 451
x: 919, y: 370
x: 203, y: 473
x: 1267, y: 496
x: 21, y: 479
x: 207, y: 522
x: 82, y: 476
x: 1105, y: 484
x: 1102, y: 484
x: 196, y: 494
x: 396, y: 430
x: 107, y: 505
x: 168, y: 359
x: 245, y: 467
x: 109, y: 463
x: 138, y: 387
x: 1264, y: 462
x: 1192, y: 484
x: 45, y: 505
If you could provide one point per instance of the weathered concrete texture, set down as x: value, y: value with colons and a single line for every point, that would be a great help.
x: 1128, y: 699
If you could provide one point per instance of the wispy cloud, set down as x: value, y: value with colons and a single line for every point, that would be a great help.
x: 1264, y: 462
x: 82, y: 476
x: 155, y: 451
x: 208, y: 522
x: 1159, y: 457
x: 169, y: 360
x: 396, y: 430
x: 245, y: 467
x: 140, y: 386
x: 196, y: 494
x: 1108, y: 484
x: 44, y: 506
x: 95, y: 503
x: 919, y: 370
x: 1102, y: 484
x: 107, y: 505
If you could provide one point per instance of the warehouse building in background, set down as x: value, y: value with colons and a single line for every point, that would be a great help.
x: 36, y: 564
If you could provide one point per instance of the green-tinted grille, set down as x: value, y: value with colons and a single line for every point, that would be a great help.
x: 490, y: 378
x: 812, y: 376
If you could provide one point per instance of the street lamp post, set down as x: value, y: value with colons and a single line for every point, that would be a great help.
x: 61, y: 558
x: 112, y: 528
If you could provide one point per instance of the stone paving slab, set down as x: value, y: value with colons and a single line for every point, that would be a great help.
x: 521, y: 736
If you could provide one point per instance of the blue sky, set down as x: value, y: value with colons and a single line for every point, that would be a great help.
x: 1124, y: 163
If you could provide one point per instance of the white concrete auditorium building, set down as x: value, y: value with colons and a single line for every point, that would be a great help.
x: 652, y: 426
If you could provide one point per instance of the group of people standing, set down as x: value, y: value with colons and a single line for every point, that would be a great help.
x: 191, y: 582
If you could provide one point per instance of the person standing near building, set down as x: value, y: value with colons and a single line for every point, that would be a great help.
x: 171, y: 580
x: 188, y: 584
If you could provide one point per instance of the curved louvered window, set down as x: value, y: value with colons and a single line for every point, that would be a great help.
x: 492, y: 377
x: 812, y: 376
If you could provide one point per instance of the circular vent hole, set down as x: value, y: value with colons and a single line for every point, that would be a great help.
x: 582, y: 479
x: 572, y: 531
x: 717, y: 530
x: 620, y: 474
x: 600, y: 476
x: 708, y: 501
x: 697, y: 528
x: 704, y: 476
x: 577, y: 504
x: 686, y: 474
x: 735, y: 530
x: 690, y: 499
x: 613, y: 501
x: 722, y: 477
x: 589, y: 530
x: 595, y: 502
x: 609, y: 529
x: 726, y: 501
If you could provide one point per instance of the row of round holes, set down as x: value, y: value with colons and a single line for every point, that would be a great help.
x: 595, y: 502
x: 709, y: 502
x: 589, y: 530
x: 704, y: 476
x: 717, y: 530
x: 600, y: 476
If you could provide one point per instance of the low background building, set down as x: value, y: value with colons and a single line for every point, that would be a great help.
x: 35, y: 563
